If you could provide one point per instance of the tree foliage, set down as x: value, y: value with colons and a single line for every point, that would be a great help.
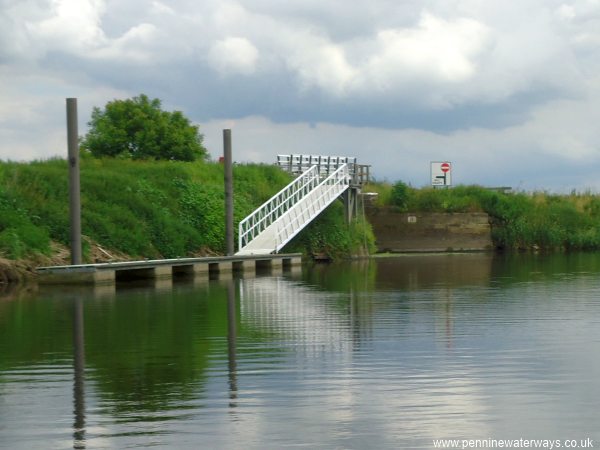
x: 138, y: 128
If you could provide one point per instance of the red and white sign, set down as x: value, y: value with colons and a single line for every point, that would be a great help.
x: 441, y: 173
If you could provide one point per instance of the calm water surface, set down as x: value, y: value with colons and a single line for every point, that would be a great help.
x: 387, y: 353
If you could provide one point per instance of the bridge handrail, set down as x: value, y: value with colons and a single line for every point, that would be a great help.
x: 296, y: 164
x: 315, y: 202
x: 273, y: 208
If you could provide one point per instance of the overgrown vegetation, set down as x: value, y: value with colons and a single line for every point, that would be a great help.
x: 149, y: 209
x: 519, y: 220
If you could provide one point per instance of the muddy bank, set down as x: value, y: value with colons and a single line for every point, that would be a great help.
x: 24, y: 270
x: 12, y: 271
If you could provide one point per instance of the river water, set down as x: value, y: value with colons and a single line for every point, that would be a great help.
x: 386, y: 353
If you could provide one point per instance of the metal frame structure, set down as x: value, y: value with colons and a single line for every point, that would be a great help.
x: 272, y: 209
x: 289, y: 225
x: 279, y: 219
x: 297, y: 164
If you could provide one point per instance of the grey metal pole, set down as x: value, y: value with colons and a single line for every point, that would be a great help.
x: 228, y: 192
x: 74, y: 187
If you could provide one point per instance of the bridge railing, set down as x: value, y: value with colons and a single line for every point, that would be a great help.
x: 297, y: 164
x: 312, y: 204
x: 276, y: 206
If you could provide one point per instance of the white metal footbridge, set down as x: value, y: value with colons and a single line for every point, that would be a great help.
x: 319, y: 181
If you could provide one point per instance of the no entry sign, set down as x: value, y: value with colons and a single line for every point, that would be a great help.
x: 441, y: 173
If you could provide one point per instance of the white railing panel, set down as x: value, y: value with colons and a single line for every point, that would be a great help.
x: 257, y: 222
x: 283, y: 216
x: 290, y: 224
x: 296, y: 164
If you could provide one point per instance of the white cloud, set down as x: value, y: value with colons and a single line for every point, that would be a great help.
x: 233, y: 55
x: 388, y: 61
x: 566, y: 12
x: 231, y: 15
x: 318, y: 62
x: 160, y: 8
x: 73, y: 25
x: 136, y: 45
x: 436, y: 48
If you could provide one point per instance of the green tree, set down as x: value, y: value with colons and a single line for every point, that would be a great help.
x: 138, y: 128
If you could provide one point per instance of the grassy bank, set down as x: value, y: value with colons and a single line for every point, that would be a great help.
x: 519, y: 220
x: 147, y: 209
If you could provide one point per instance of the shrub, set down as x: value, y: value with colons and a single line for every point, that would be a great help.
x: 400, y: 195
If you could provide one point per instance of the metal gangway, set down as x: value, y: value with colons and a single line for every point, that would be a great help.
x: 285, y: 214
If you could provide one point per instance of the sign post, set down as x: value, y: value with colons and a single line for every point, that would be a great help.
x: 441, y: 173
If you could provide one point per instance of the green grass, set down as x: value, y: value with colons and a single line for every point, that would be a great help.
x: 147, y: 209
x: 519, y: 220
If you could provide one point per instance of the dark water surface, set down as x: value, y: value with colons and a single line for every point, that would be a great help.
x: 386, y: 353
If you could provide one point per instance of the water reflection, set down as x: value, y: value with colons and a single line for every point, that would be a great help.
x: 296, y: 313
x: 231, y: 343
x: 406, y: 272
x: 79, y: 375
x: 382, y: 353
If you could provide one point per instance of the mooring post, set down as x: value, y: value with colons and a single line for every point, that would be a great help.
x: 228, y: 192
x: 74, y: 186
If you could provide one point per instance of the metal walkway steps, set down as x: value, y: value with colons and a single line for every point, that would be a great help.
x: 283, y: 216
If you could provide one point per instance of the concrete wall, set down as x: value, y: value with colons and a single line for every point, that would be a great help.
x: 429, y: 232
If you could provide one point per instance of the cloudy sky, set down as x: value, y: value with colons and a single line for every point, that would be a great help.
x: 507, y: 90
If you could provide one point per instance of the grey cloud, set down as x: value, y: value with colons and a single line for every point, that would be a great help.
x: 327, y: 76
x: 504, y: 77
x: 279, y: 99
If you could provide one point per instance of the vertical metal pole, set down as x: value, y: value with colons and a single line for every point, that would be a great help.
x: 74, y: 187
x: 228, y: 192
